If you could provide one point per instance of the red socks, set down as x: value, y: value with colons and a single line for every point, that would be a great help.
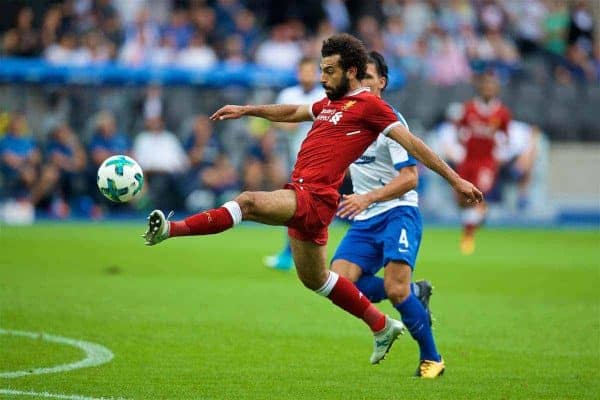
x: 345, y: 295
x: 205, y: 223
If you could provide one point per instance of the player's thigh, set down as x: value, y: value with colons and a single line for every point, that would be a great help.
x: 310, y: 260
x: 361, y: 247
x: 272, y: 208
x: 396, y: 281
x: 346, y: 269
x: 402, y: 236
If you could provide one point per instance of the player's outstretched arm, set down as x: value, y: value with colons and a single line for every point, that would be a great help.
x: 423, y: 153
x: 353, y: 204
x: 272, y: 112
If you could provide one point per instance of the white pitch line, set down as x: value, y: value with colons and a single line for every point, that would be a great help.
x: 95, y: 354
x: 53, y: 395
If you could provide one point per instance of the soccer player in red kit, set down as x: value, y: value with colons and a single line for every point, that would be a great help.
x: 345, y: 124
x: 483, y: 117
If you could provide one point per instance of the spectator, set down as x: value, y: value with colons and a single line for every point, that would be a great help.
x: 448, y: 64
x: 204, y: 21
x: 106, y: 141
x: 51, y: 26
x: 234, y: 51
x: 456, y: 14
x: 245, y: 26
x: 179, y: 30
x: 63, y: 177
x: 65, y: 51
x: 198, y: 55
x: 137, y: 51
x: 211, y: 174
x: 96, y: 50
x: 143, y: 26
x: 578, y: 64
x: 19, y: 160
x: 556, y: 24
x: 164, y: 55
x: 264, y: 169
x: 368, y: 31
x: 225, y: 12
x: 337, y: 14
x: 279, y: 51
x: 492, y: 16
x: 163, y: 159
x: 23, y: 39
x: 581, y: 26
x: 153, y: 103
x: 398, y: 43
x: 417, y: 16
x: 528, y: 18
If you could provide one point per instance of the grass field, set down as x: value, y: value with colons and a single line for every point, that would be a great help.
x: 200, y: 318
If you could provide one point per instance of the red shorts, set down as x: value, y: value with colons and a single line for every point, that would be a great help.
x: 481, y: 173
x: 316, y: 207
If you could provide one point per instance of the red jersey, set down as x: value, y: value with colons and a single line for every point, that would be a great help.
x: 478, y: 127
x: 341, y: 132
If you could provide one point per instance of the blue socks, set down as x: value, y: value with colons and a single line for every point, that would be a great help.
x: 416, y: 321
x: 372, y: 287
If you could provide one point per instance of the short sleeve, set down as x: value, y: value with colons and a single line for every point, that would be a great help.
x: 316, y: 107
x: 380, y: 117
x: 399, y: 155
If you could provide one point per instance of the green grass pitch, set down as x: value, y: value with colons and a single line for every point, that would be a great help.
x: 201, y: 318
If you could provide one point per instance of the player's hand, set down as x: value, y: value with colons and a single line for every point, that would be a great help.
x: 228, y: 112
x: 469, y: 193
x: 352, y: 205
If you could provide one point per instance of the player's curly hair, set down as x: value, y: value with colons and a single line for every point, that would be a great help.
x: 351, y: 50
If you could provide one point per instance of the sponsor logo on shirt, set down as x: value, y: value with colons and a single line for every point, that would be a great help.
x: 365, y: 159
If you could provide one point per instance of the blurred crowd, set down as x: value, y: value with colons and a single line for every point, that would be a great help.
x: 57, y: 176
x: 442, y: 41
x: 197, y: 167
x: 52, y: 145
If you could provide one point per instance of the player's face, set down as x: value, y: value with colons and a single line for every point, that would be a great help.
x: 333, y: 77
x: 489, y: 87
x: 307, y: 75
x: 373, y: 81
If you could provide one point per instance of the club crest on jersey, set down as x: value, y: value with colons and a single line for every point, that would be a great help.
x: 348, y: 105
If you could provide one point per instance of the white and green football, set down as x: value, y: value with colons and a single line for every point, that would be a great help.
x: 120, y: 178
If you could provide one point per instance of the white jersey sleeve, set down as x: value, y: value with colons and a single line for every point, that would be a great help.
x: 378, y: 165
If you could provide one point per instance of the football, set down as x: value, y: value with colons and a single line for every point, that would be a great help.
x: 120, y: 178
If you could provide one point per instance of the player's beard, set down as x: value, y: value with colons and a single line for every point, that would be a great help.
x: 339, y: 91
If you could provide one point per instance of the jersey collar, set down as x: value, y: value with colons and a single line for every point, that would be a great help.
x: 357, y: 91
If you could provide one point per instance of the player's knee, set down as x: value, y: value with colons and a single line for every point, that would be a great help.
x: 349, y: 271
x: 247, y: 202
x: 313, y: 281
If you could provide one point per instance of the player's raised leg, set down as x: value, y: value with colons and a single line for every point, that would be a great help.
x: 311, y: 267
x: 272, y: 208
x: 397, y: 284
